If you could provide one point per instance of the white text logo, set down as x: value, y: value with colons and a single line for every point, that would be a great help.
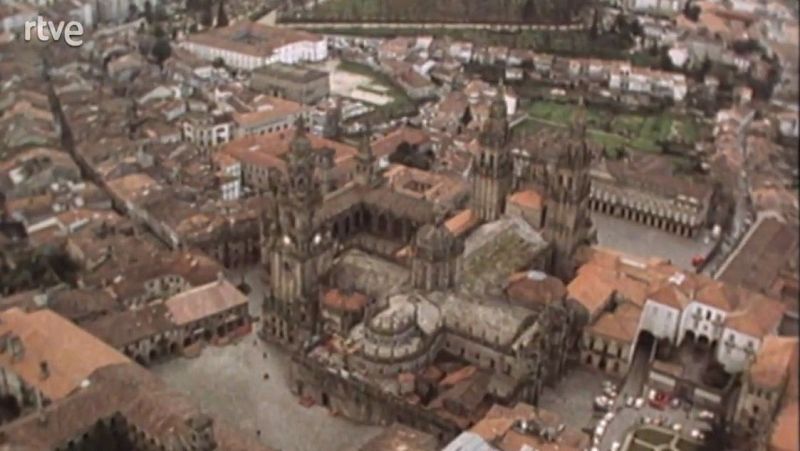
x: 46, y: 30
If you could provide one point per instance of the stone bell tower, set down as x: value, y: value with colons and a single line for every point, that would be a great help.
x: 366, y: 172
x: 298, y: 247
x: 492, y: 167
x: 568, y: 225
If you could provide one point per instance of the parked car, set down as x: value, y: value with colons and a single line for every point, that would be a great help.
x: 629, y: 401
x: 677, y: 427
x: 697, y: 434
x: 615, y: 446
x: 660, y: 400
x: 611, y: 392
x: 706, y: 415
x: 601, y: 403
x: 638, y: 403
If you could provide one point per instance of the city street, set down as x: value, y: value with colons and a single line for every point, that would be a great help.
x: 626, y: 419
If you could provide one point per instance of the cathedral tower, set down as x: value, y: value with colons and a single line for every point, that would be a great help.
x: 568, y: 225
x: 299, y: 249
x: 366, y: 174
x: 436, y: 264
x: 492, y: 168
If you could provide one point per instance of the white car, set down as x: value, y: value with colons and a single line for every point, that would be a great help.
x: 629, y: 401
x: 696, y: 434
x: 677, y: 427
x: 599, y: 430
x: 615, y: 446
x: 608, y: 416
x: 639, y: 403
x: 705, y: 415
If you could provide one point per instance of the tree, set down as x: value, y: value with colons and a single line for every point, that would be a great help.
x: 218, y: 62
x: 162, y: 49
x: 222, y: 18
x: 704, y: 69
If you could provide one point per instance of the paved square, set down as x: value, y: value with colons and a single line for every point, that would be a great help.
x: 572, y: 397
x: 228, y: 383
x: 640, y: 240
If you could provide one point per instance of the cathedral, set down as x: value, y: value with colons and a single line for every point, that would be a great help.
x: 373, y: 288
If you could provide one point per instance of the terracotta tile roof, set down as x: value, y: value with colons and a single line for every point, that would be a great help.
x: 462, y: 222
x: 133, y: 186
x: 401, y: 438
x: 457, y: 376
x: 527, y: 199
x: 785, y: 433
x: 276, y: 145
x: 620, y: 325
x: 120, y: 329
x: 268, y: 109
x: 339, y: 300
x: 761, y: 316
x: 387, y: 144
x: 592, y: 288
x: 774, y: 361
x: 670, y: 295
x: 204, y: 301
x: 763, y: 255
x: 533, y: 287
x: 251, y: 38
x: 719, y: 295
x: 71, y: 354
x: 131, y: 391
x: 497, y: 428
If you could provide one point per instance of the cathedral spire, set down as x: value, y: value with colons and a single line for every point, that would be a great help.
x: 300, y: 147
x: 365, y: 160
x: 578, y: 123
x: 495, y: 131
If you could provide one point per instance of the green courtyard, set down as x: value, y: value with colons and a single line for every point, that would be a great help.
x: 618, y: 131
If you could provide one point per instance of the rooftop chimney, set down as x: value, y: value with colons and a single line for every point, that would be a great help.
x: 17, y: 348
x: 45, y: 369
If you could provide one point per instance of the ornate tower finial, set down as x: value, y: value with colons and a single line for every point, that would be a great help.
x: 300, y: 125
x: 579, y: 117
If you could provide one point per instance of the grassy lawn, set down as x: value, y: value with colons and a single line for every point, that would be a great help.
x: 575, y: 43
x: 509, y: 11
x: 617, y: 131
